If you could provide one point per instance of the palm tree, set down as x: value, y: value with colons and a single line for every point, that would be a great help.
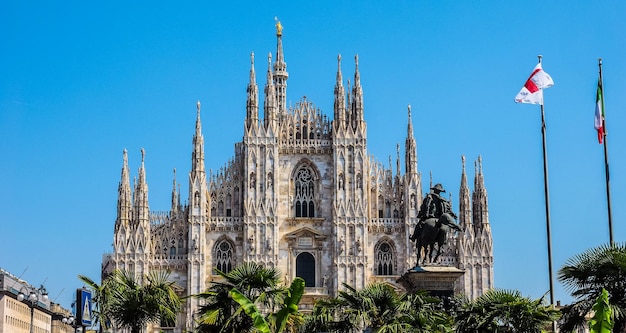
x: 504, y: 311
x: 585, y: 275
x: 100, y: 300
x: 259, y: 284
x: 379, y: 308
x: 345, y: 313
x: 426, y: 314
x: 255, y: 282
x: 132, y: 304
x: 288, y: 318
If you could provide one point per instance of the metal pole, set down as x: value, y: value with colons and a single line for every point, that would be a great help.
x: 547, y: 197
x: 606, y: 158
x: 32, y: 315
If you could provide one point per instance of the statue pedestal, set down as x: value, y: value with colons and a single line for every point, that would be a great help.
x: 436, y: 280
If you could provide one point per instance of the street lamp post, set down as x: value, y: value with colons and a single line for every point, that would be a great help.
x: 74, y: 323
x: 34, y: 296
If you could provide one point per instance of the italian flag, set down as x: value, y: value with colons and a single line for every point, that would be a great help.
x: 599, y: 117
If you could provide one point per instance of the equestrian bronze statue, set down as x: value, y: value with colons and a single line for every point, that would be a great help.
x: 435, y: 220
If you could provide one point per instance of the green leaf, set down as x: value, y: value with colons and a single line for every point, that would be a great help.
x: 290, y: 307
x: 250, y: 309
x: 601, y: 321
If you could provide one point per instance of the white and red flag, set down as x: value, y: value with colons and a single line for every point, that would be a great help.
x: 532, y: 91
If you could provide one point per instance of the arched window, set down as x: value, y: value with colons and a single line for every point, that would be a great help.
x: 387, y: 209
x: 305, y: 268
x: 304, y: 193
x: 224, y: 256
x: 229, y: 203
x: 304, y: 210
x: 236, y: 211
x: 181, y: 246
x: 298, y: 209
x: 385, y: 260
x: 220, y: 208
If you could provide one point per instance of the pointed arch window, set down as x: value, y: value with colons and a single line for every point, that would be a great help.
x: 385, y: 259
x: 220, y: 208
x: 236, y: 203
x: 224, y: 256
x: 181, y: 246
x: 304, y: 193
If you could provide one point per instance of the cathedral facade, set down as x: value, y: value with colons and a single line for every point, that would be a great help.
x: 301, y: 194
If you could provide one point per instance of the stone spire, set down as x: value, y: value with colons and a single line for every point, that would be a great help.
x: 252, y: 102
x: 124, y: 210
x: 197, y: 157
x: 410, y: 154
x: 479, y: 199
x: 196, y: 216
x: 340, y: 98
x: 141, y: 218
x: 465, y: 209
x: 349, y: 105
x: 398, y: 171
x: 280, y: 71
x: 269, y: 106
x: 357, y: 96
x: 175, y: 195
x: 141, y: 209
x: 483, y: 242
x: 124, y: 196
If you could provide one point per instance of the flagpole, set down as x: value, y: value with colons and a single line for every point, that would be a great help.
x: 606, y: 158
x: 547, y: 197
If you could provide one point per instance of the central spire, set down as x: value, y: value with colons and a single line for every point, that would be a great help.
x: 280, y: 70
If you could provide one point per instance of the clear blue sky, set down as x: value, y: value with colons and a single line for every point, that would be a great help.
x: 82, y: 80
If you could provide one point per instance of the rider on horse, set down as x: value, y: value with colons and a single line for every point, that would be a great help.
x: 433, y: 206
x: 435, y: 219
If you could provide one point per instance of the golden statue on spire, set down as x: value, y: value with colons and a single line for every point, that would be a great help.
x: 279, y: 27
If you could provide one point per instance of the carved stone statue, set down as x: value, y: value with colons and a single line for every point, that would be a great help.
x: 435, y: 219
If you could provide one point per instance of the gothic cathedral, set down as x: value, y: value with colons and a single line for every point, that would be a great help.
x: 301, y: 194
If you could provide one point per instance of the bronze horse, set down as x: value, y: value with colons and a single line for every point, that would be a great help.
x: 430, y: 232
